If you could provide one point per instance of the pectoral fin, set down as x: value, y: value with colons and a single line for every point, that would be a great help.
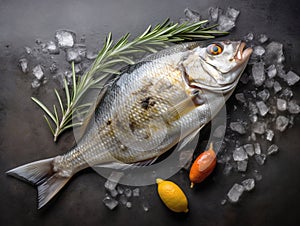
x: 184, y: 107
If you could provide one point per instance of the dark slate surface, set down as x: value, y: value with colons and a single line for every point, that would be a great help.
x: 25, y: 137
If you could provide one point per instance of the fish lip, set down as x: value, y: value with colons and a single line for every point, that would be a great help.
x: 241, y: 54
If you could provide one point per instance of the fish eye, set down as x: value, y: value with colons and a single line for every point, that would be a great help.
x: 214, y: 49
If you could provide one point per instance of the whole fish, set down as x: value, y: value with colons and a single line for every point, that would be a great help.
x: 165, y: 98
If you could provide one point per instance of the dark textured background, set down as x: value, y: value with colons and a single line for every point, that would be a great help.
x: 24, y: 136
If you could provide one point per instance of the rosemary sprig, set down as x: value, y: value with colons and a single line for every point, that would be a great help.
x: 113, y: 54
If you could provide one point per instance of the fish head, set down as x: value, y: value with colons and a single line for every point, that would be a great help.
x: 217, y: 66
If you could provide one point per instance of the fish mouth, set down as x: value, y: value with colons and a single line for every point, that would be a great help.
x: 241, y: 54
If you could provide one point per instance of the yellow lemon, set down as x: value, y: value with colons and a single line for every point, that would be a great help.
x: 172, y: 196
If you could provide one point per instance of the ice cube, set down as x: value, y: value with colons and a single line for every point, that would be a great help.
x: 280, y: 71
x: 128, y: 192
x: 38, y: 41
x: 259, y: 127
x: 113, y: 180
x: 23, y: 62
x: 274, y: 53
x: 81, y: 49
x: 271, y: 71
x: 235, y: 193
x: 242, y: 165
x: 291, y: 78
x: 232, y: 13
x: 269, y: 134
x: 68, y: 76
x: 136, y: 192
x: 281, y: 123
x: 253, y: 118
x: 257, y: 148
x: 248, y: 184
x: 287, y: 93
x: 214, y: 14
x: 252, y: 136
x: 110, y: 202
x: 73, y: 55
x: 120, y: 190
x: 184, y: 20
x: 128, y: 205
x: 260, y: 159
x: 123, y: 199
x: 37, y: 71
x: 65, y: 38
x: 35, y: 84
x: 225, y: 23
x: 193, y: 16
x: 83, y: 38
x: 223, y: 158
x: 269, y: 83
x: 293, y: 107
x: 60, y: 78
x: 258, y: 73
x: 90, y: 55
x: 237, y: 127
x: 262, y: 108
x: 277, y: 87
x: 53, y: 68
x: 273, y: 110
x: 28, y: 50
x: 249, y: 37
x: 44, y: 47
x: 281, y: 104
x: 252, y: 108
x: 249, y: 149
x: 240, y: 97
x: 272, y: 149
x: 257, y: 175
x: 78, y: 68
x: 253, y: 93
x: 113, y: 193
x: 145, y: 206
x: 262, y: 38
x: 185, y: 159
x: 258, y: 51
x: 223, y: 202
x: 52, y: 48
x: 239, y: 154
x: 264, y: 94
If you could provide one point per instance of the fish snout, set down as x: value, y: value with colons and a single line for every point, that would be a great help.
x: 242, y: 54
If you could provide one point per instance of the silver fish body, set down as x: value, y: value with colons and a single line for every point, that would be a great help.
x: 146, y: 111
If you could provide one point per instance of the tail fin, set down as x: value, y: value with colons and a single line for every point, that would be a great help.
x: 41, y: 174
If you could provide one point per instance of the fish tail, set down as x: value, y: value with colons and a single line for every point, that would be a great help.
x: 42, y: 175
